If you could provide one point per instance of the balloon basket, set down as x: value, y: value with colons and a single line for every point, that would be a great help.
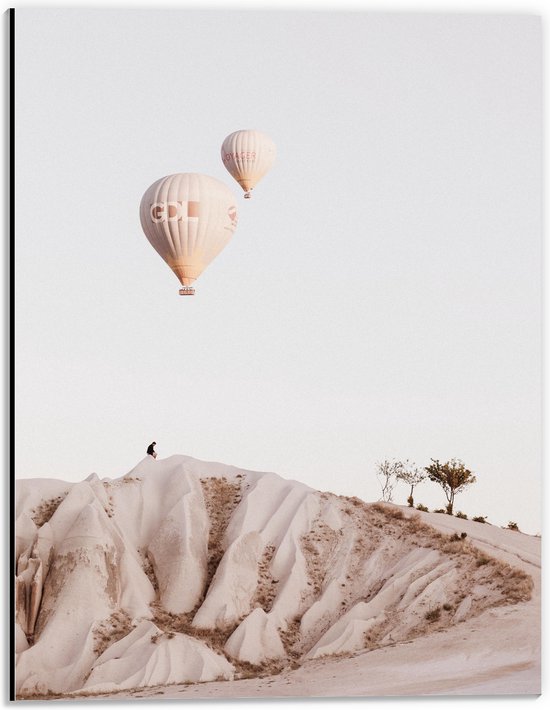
x: 247, y: 195
x: 187, y: 291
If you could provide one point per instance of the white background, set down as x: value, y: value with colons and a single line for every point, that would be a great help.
x: 380, y: 297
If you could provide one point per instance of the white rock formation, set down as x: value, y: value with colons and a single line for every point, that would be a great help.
x: 230, y: 595
x: 256, y: 639
x: 146, y: 656
x: 155, y: 577
x: 179, y: 551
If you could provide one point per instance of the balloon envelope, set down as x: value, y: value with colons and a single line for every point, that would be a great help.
x: 188, y: 219
x: 248, y: 155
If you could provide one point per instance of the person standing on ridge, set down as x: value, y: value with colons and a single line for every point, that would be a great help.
x: 151, y: 450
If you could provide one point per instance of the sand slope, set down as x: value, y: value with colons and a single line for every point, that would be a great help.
x: 190, y: 572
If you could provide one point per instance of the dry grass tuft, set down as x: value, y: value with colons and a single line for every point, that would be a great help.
x: 387, y: 510
x: 244, y: 669
x: 514, y: 584
x: 110, y: 630
x: 424, y: 532
x: 291, y: 638
x: 266, y: 589
x: 44, y: 511
x: 433, y: 614
x: 221, y: 498
x: 170, y: 623
x: 48, y: 695
x: 319, y: 546
x: 148, y: 568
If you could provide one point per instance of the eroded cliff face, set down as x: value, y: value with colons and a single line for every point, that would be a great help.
x: 186, y: 571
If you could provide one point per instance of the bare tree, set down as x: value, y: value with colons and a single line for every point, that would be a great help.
x: 412, y: 475
x: 387, y: 473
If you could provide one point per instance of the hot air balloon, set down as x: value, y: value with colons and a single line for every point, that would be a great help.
x: 248, y: 155
x: 188, y: 218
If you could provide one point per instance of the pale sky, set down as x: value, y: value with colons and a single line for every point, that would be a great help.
x: 381, y: 296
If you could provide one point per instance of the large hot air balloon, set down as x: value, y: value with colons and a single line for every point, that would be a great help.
x: 248, y: 155
x: 188, y: 218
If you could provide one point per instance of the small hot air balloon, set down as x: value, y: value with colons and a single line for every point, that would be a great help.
x: 188, y: 218
x: 248, y: 155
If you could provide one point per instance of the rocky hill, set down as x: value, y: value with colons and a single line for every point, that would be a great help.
x: 183, y: 571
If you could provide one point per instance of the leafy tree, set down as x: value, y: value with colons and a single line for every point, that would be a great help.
x: 412, y: 476
x: 452, y: 476
x: 387, y: 474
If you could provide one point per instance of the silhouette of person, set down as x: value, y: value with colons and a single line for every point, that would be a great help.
x: 151, y: 450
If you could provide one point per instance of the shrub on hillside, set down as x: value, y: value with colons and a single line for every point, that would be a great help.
x: 423, y: 508
x: 433, y: 614
x: 412, y: 475
x: 480, y: 519
x: 462, y: 515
